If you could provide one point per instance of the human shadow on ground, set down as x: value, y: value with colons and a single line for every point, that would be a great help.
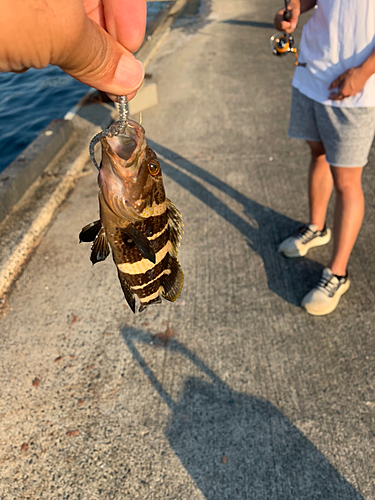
x: 252, y: 24
x: 236, y: 446
x: 289, y: 279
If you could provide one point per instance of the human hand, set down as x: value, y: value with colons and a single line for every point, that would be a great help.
x: 349, y: 83
x: 288, y: 26
x: 91, y: 40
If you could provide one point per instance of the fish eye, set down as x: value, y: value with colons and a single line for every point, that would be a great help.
x: 154, y: 167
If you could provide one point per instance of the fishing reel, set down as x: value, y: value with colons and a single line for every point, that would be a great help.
x: 283, y: 43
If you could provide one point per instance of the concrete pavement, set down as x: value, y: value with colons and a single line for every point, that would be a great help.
x: 232, y: 392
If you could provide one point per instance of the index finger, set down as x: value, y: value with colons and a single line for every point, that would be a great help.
x: 125, y: 21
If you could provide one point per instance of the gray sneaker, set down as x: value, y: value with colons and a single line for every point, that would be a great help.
x: 305, y: 238
x: 324, y: 298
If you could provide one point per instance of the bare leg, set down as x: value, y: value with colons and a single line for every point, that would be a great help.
x: 349, y: 212
x: 320, y: 184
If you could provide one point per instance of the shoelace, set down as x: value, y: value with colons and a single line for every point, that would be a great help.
x: 326, y: 285
x: 305, y: 234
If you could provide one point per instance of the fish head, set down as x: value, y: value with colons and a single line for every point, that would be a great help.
x: 130, y: 176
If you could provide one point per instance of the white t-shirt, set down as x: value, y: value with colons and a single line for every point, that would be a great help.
x: 339, y: 36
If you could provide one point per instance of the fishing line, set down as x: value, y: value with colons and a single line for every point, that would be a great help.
x: 123, y: 109
x: 117, y: 128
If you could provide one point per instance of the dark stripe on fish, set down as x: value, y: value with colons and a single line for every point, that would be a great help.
x: 157, y: 300
x: 152, y: 286
x: 143, y: 278
x: 166, y: 277
x: 152, y: 225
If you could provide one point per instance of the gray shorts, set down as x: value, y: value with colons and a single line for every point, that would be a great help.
x: 346, y: 133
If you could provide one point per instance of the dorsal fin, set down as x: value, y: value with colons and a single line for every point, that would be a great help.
x: 175, y: 224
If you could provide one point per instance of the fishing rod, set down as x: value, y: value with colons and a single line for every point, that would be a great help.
x: 283, y: 43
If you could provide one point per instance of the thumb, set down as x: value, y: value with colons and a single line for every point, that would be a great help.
x: 95, y: 58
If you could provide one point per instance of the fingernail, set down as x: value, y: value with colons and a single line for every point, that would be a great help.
x: 129, y: 73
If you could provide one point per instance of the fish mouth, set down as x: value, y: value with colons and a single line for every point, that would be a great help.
x: 125, y: 149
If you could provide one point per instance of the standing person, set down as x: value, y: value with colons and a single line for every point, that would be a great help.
x: 333, y: 110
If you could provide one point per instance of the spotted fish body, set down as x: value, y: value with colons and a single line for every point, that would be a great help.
x: 137, y: 222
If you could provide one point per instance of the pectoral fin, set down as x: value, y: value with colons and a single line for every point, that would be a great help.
x: 89, y: 232
x: 100, y: 247
x: 144, y: 246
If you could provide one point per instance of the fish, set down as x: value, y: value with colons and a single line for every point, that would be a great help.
x: 138, y: 223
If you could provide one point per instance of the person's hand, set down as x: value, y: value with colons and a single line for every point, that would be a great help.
x: 349, y: 83
x: 91, y: 40
x: 288, y: 26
